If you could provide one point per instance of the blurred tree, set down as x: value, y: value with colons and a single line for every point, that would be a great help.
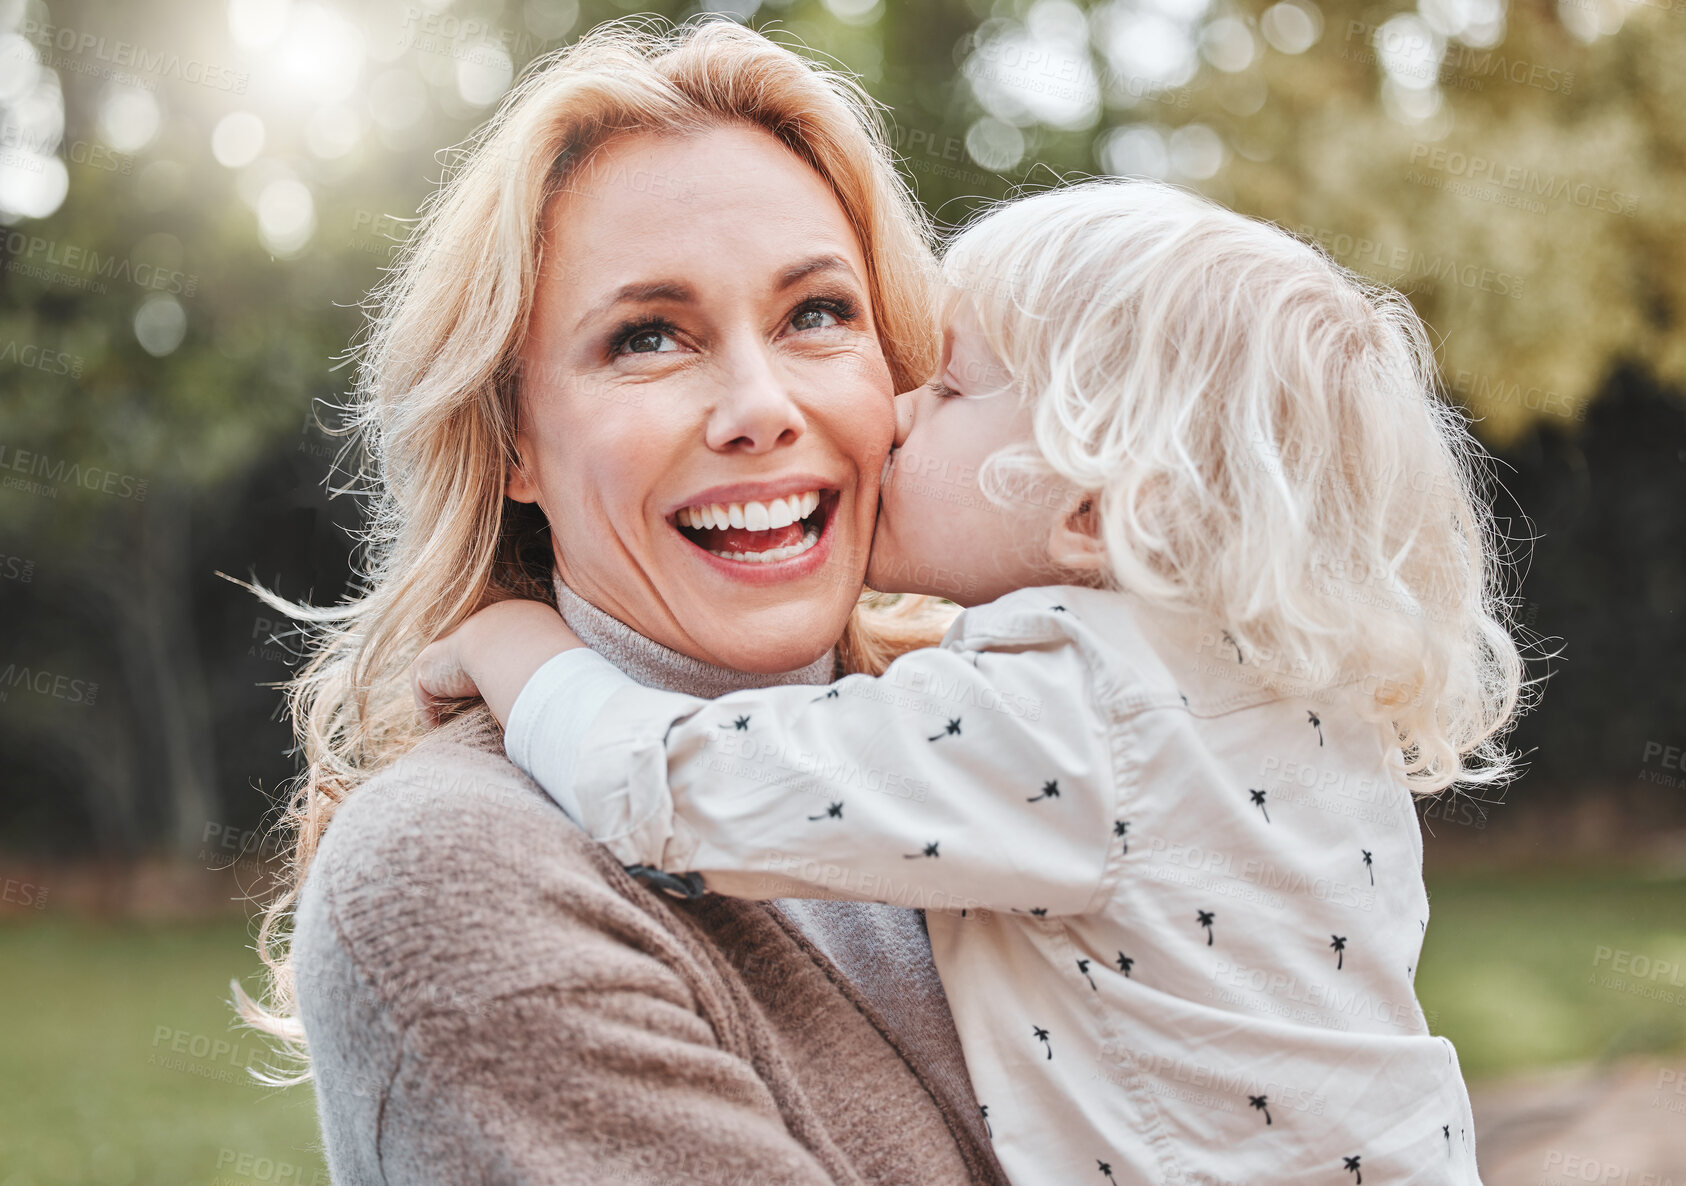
x: 195, y: 199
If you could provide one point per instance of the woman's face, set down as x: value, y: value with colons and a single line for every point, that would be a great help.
x: 705, y: 408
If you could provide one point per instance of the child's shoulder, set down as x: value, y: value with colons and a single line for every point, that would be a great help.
x: 1044, y: 611
x: 1104, y: 625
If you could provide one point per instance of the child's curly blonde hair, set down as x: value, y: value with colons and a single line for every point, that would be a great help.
x: 1260, y: 429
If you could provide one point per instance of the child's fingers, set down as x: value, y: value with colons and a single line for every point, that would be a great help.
x: 438, y: 676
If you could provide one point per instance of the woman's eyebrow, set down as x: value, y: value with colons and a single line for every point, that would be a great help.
x: 641, y: 292
x: 813, y: 266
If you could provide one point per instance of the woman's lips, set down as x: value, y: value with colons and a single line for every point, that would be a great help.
x: 774, y: 554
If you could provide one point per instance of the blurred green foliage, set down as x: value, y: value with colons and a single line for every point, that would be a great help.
x: 171, y: 329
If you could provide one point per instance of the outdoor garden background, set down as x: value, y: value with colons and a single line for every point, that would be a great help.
x: 194, y: 198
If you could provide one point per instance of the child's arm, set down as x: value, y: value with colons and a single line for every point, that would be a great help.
x: 956, y: 779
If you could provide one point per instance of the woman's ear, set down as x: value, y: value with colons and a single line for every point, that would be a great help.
x: 1075, y: 541
x: 517, y: 485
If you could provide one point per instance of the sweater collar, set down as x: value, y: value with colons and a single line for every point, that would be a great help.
x: 656, y: 666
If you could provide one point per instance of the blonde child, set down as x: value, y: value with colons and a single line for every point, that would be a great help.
x: 1232, y: 603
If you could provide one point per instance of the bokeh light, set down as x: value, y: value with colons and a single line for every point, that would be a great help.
x: 160, y: 325
x: 129, y: 118
x: 994, y: 145
x: 237, y: 139
x: 1293, y: 26
x: 1136, y: 151
x: 286, y: 216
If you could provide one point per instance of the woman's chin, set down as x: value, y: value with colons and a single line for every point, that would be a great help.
x: 778, y: 639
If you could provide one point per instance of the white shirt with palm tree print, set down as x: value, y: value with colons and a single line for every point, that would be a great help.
x: 1177, y: 911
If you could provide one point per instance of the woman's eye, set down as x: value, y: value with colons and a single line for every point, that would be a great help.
x: 942, y: 390
x: 813, y: 318
x: 648, y: 341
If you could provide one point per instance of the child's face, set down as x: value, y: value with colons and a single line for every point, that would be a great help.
x: 937, y: 532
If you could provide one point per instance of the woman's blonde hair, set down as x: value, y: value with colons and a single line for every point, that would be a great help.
x: 438, y: 383
x: 1260, y: 429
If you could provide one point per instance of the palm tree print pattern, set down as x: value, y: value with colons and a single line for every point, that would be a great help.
x: 1230, y: 639
x: 1085, y: 816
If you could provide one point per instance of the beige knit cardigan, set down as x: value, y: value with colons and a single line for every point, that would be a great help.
x: 490, y: 998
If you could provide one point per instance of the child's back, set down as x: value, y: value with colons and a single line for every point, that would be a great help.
x: 1239, y: 1006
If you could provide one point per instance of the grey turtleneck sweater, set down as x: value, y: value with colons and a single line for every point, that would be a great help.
x: 489, y: 997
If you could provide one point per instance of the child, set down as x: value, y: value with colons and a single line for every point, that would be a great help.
x: 1232, y: 603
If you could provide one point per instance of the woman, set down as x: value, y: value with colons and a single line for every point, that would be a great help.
x: 669, y: 272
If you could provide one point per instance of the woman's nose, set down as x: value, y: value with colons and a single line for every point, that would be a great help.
x: 758, y: 412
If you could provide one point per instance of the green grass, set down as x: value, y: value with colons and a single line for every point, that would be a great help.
x: 110, y: 1070
x: 1521, y: 970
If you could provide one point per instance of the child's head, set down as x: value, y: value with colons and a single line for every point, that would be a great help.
x: 1158, y: 394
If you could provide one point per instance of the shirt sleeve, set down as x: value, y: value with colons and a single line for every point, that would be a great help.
x: 958, y: 778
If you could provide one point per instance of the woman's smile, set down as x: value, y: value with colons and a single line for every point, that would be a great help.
x: 759, y: 528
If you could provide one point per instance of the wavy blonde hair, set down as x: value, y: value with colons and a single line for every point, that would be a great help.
x: 435, y: 402
x: 1261, y: 430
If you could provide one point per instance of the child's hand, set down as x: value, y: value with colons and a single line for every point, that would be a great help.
x: 439, y: 675
x: 492, y: 654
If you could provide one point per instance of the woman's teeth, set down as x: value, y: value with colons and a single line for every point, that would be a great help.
x: 751, y: 516
x: 809, y: 539
x: 755, y: 532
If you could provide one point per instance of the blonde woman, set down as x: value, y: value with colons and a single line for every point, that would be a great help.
x: 674, y: 267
